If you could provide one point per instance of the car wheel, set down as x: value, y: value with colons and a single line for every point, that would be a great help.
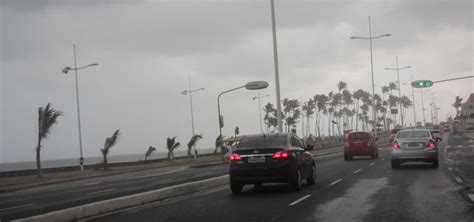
x: 395, y: 164
x: 351, y: 157
x: 296, y: 181
x: 236, y: 188
x: 435, y: 163
x: 346, y: 157
x: 312, y: 179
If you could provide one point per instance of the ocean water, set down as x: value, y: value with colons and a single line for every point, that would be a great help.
x: 93, y: 160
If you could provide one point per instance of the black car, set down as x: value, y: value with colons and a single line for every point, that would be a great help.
x: 271, y: 158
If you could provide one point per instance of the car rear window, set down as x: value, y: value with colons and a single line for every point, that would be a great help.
x: 413, y: 134
x: 361, y: 136
x: 262, y: 142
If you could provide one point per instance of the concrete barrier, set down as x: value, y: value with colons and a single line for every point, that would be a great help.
x: 105, y: 206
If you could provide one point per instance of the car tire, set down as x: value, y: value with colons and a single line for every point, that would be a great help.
x: 236, y: 188
x: 296, y: 180
x: 311, y: 180
x: 395, y: 164
x: 435, y: 163
x: 346, y: 157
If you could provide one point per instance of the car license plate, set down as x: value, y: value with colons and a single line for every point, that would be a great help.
x: 256, y: 159
x: 414, y: 145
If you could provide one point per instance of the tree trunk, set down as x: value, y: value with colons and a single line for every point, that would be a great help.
x: 105, y: 162
x: 38, y: 159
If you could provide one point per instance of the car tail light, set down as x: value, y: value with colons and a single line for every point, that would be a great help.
x: 431, y: 144
x: 395, y: 145
x: 235, y: 156
x: 281, y: 155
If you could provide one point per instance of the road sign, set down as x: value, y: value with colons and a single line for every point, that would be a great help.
x: 422, y: 83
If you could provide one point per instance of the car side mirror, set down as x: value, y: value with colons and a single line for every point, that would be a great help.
x: 438, y: 139
x: 309, y: 147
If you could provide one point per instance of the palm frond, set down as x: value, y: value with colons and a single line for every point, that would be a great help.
x: 48, y: 116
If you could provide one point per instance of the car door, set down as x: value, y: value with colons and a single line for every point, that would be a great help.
x: 302, y: 156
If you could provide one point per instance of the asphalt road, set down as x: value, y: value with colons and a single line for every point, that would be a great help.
x: 45, y: 199
x: 359, y: 190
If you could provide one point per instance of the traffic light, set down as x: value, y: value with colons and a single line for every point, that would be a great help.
x: 422, y: 83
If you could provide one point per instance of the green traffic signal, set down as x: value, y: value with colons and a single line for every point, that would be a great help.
x: 422, y: 83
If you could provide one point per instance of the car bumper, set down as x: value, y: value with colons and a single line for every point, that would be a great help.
x: 425, y: 155
x: 359, y: 151
x: 260, y: 174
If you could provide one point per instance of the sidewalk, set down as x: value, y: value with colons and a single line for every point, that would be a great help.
x: 10, y: 184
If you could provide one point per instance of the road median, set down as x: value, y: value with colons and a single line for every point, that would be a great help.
x: 102, y: 207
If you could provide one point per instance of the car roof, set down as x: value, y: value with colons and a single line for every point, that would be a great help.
x: 266, y: 135
x: 414, y: 129
x: 358, y: 132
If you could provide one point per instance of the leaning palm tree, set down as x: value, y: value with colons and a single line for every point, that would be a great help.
x: 171, y: 144
x: 109, y: 143
x: 149, y: 151
x: 192, y: 142
x: 47, y: 117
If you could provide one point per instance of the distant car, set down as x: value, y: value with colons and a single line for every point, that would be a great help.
x: 414, y: 145
x: 447, y: 128
x: 360, y: 144
x: 392, y: 134
x: 436, y: 134
x: 271, y: 158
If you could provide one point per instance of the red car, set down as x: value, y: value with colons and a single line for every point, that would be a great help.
x: 360, y: 144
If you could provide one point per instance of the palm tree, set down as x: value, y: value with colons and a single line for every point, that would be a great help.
x: 109, y: 143
x: 392, y: 102
x: 457, y: 104
x: 341, y: 85
x: 236, y: 131
x: 47, y: 117
x: 358, y: 96
x: 308, y: 110
x: 171, y: 144
x: 347, y: 99
x: 321, y: 102
x: 192, y: 142
x: 270, y: 117
x: 385, y: 90
x: 291, y: 112
x: 149, y: 151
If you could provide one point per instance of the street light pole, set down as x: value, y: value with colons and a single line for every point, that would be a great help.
x: 399, y: 88
x: 65, y: 71
x: 190, y: 91
x: 372, y: 66
x: 423, y: 107
x: 260, y: 108
x: 413, y: 97
x: 277, y: 78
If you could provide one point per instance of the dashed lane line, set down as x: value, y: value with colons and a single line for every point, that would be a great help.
x: 458, y: 179
x: 92, y: 183
x: 357, y: 171
x: 471, y: 196
x: 372, y: 164
x: 335, y: 182
x: 299, y: 200
x: 459, y: 146
x: 101, y: 191
x: 450, y: 168
x: 16, y: 207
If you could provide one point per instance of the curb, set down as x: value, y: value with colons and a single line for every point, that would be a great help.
x: 101, y: 207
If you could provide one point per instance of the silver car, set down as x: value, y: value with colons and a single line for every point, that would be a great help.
x: 414, y: 145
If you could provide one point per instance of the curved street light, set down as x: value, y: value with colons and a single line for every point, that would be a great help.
x: 255, y: 85
x: 65, y: 70
x: 399, y: 87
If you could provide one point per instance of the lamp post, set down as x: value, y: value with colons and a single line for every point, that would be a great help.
x: 370, y: 38
x: 260, y: 108
x: 277, y: 75
x: 413, y: 97
x: 190, y: 92
x: 65, y: 71
x: 399, y: 88
x: 250, y: 86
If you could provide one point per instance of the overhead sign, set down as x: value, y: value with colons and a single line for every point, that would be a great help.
x: 422, y: 83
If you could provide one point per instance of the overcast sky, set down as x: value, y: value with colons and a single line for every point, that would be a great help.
x: 147, y: 50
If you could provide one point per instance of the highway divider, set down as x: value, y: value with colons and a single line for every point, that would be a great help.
x: 105, y: 206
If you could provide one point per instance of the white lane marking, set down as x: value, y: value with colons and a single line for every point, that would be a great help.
x: 382, y: 159
x: 472, y: 146
x: 93, y: 183
x: 471, y: 196
x: 158, y: 174
x: 458, y: 179
x: 161, y: 181
x: 102, y: 191
x: 450, y: 168
x: 372, y: 164
x: 22, y: 206
x: 357, y: 171
x: 448, y: 147
x: 299, y: 200
x: 337, y: 181
x: 459, y: 146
